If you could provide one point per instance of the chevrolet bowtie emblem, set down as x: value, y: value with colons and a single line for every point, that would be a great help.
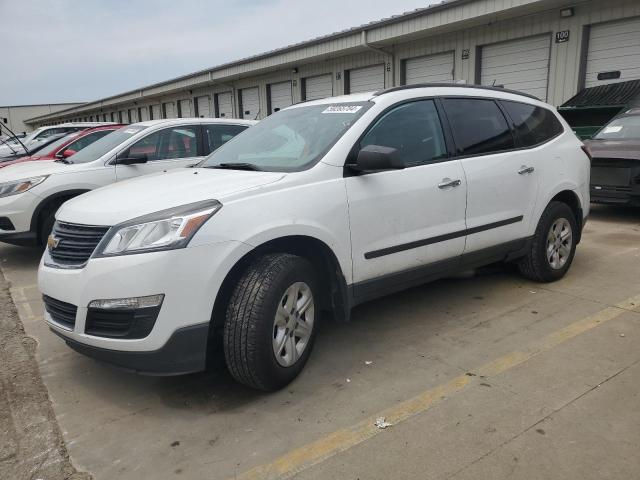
x: 52, y: 242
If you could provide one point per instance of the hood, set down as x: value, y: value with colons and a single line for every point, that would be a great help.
x: 28, y: 168
x: 133, y: 198
x: 627, y: 149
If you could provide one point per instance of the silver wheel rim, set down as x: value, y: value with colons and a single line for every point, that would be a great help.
x: 293, y: 324
x: 559, y: 242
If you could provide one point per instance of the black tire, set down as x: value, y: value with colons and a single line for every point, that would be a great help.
x: 249, y: 323
x: 45, y: 226
x: 536, y: 265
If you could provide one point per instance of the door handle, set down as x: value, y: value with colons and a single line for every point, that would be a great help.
x: 524, y: 170
x: 447, y: 182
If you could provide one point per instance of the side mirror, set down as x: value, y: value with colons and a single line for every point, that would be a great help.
x: 375, y: 158
x: 127, y: 159
x: 67, y: 153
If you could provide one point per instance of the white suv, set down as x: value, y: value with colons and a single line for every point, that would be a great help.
x: 320, y: 207
x: 31, y: 192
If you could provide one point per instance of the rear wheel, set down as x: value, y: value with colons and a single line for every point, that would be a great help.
x: 271, y: 321
x: 553, y: 245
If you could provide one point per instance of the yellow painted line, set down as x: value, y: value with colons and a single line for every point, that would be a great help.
x: 341, y: 440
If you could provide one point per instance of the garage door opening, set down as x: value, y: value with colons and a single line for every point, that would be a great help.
x: 521, y: 65
x: 278, y: 96
x: 436, y: 68
x: 317, y: 87
x: 223, y: 105
x: 249, y: 102
x: 367, y: 79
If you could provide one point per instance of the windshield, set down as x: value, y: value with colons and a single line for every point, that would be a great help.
x: 622, y: 128
x: 106, y: 144
x: 289, y: 140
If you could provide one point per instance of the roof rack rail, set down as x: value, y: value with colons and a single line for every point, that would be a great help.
x: 454, y: 85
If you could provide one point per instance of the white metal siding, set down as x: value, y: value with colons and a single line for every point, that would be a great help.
x: 169, y: 110
x: 203, y: 106
x: 367, y: 79
x: 156, y: 112
x: 250, y: 103
x: 280, y: 95
x: 320, y: 86
x: 613, y: 47
x: 429, y: 69
x: 185, y: 109
x: 225, y: 105
x: 521, y: 64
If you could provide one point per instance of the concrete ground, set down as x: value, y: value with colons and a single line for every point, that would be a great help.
x: 480, y: 377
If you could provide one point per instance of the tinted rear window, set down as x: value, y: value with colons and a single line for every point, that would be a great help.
x: 478, y: 126
x: 533, y: 125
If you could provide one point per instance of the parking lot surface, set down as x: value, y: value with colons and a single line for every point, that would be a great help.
x: 485, y: 375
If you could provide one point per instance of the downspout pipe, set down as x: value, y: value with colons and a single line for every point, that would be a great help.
x: 366, y: 45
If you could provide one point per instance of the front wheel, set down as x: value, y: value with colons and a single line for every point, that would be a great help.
x: 271, y: 321
x: 553, y: 245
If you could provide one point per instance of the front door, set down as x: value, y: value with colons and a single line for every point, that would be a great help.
x: 404, y: 220
x: 165, y: 149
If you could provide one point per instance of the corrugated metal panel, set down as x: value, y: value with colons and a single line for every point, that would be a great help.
x: 613, y: 47
x: 203, y: 106
x: 320, y: 86
x: 225, y: 105
x: 367, y: 79
x: 430, y: 68
x: 280, y: 95
x: 521, y: 64
x: 250, y: 103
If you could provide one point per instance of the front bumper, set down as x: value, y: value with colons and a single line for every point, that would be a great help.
x: 18, y: 211
x: 189, y: 278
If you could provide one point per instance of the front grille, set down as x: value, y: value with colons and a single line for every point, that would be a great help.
x: 121, y: 323
x: 61, y: 312
x: 75, y: 243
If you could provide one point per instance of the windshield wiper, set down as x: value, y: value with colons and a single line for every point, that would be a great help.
x: 63, y: 160
x: 237, y: 166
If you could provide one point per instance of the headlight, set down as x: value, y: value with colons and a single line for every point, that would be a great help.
x: 19, y: 186
x: 165, y: 230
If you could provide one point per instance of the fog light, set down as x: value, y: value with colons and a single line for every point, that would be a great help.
x: 128, y: 303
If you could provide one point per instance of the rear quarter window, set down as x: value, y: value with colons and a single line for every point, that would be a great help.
x: 533, y: 125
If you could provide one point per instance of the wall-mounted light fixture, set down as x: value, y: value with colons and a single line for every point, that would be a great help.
x: 566, y: 12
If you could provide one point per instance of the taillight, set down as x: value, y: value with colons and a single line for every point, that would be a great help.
x: 587, y: 152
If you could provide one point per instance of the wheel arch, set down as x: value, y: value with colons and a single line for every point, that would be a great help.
x: 334, y: 295
x: 570, y: 198
x: 54, y: 199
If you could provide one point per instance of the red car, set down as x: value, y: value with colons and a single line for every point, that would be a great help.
x: 66, y: 146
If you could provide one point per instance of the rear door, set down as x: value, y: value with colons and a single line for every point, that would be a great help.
x: 404, y: 220
x: 501, y: 191
x: 165, y: 149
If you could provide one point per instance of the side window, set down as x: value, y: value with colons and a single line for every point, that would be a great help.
x: 167, y: 144
x: 218, y: 135
x: 86, y: 140
x: 533, y: 125
x: 413, y: 129
x: 478, y: 126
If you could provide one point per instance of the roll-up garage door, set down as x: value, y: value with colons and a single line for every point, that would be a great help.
x: 133, y: 115
x: 521, y: 64
x: 320, y: 86
x: 185, y: 109
x: 429, y: 69
x: 155, y: 112
x: 169, y: 110
x: 202, y: 104
x: 122, y: 116
x: 144, y: 114
x: 250, y: 102
x: 279, y: 96
x: 224, y: 105
x: 367, y: 79
x: 613, y: 53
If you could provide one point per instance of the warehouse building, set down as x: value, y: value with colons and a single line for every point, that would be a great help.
x: 548, y: 48
x: 14, y: 116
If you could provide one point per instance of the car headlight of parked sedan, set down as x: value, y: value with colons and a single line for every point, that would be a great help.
x: 20, y: 186
x: 164, y: 230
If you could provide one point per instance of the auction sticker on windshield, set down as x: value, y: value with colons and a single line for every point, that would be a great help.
x: 342, y: 109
